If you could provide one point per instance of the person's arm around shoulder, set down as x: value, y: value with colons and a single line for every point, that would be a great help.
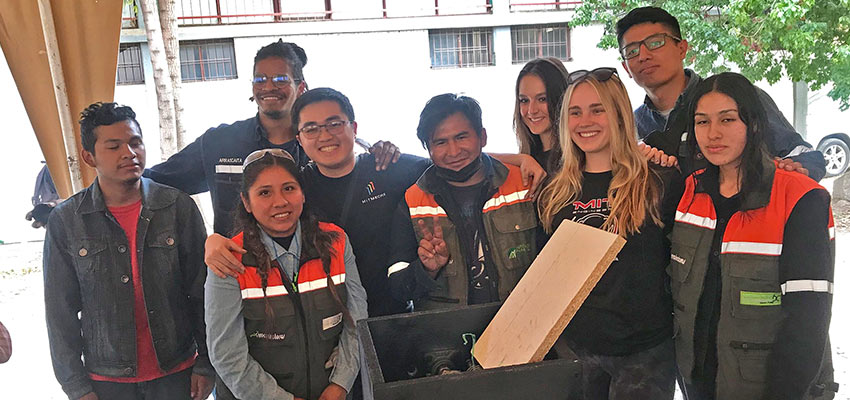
x: 806, y: 270
x: 191, y: 235
x: 228, y: 346
x: 784, y: 140
x: 409, y: 168
x: 183, y: 170
x: 385, y: 153
x: 218, y: 255
x: 62, y: 301
x: 532, y: 172
x: 347, y: 364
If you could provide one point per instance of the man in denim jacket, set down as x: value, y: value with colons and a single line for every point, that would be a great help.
x: 124, y: 275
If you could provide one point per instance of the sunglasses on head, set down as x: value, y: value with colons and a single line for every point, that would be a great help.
x: 260, y: 154
x: 600, y: 74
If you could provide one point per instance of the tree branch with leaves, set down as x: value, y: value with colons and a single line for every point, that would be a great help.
x: 805, y: 40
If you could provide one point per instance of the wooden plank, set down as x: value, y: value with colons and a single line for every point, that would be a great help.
x: 548, y: 296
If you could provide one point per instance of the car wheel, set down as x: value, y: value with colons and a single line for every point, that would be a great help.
x: 835, y: 153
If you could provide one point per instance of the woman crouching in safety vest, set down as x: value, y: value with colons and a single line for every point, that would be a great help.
x: 284, y: 328
x: 751, y: 262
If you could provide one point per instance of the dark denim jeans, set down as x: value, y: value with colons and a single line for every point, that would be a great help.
x: 646, y: 375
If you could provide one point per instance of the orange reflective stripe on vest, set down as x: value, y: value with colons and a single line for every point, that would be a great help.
x: 311, y: 275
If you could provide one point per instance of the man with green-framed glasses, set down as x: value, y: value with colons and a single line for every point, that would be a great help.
x: 653, y: 51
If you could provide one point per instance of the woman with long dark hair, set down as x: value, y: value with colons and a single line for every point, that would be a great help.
x: 622, y: 332
x: 285, y: 327
x: 752, y: 260
x: 540, y: 87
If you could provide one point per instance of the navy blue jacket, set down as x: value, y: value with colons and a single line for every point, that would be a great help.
x: 668, y: 133
x: 214, y: 162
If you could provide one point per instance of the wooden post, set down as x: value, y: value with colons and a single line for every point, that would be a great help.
x: 61, y: 93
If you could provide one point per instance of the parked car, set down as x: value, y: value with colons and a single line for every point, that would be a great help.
x: 836, y: 150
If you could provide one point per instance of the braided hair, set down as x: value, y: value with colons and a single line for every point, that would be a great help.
x: 316, y: 243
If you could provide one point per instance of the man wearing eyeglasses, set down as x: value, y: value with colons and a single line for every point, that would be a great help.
x: 653, y: 52
x: 214, y: 161
x: 346, y: 189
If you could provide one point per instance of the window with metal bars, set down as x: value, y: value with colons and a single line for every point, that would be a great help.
x: 535, y: 41
x: 461, y: 48
x: 130, y: 70
x: 207, y: 60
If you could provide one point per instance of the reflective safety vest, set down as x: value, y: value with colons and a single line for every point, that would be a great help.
x: 294, y: 342
x: 750, y: 312
x: 510, y: 227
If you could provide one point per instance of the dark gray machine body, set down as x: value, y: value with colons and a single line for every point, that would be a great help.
x: 402, y: 351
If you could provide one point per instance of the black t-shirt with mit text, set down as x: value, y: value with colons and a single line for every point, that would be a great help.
x: 630, y: 309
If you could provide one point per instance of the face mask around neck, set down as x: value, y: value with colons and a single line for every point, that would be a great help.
x: 463, y: 175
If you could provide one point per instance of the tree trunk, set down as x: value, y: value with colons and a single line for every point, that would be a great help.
x: 801, y: 107
x: 168, y: 20
x: 161, y: 78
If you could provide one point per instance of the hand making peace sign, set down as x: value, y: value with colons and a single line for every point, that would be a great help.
x: 433, y: 251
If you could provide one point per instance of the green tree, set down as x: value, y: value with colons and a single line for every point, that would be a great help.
x: 806, y: 40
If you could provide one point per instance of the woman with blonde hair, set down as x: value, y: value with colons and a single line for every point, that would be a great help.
x: 623, y: 331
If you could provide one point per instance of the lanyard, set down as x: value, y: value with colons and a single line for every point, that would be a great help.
x: 292, y: 282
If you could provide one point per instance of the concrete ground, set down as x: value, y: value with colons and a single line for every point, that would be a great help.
x: 29, y: 375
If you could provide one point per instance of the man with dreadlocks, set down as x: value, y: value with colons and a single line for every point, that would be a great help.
x: 214, y: 161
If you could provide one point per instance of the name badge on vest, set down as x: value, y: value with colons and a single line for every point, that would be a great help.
x: 268, y: 336
x: 331, y: 321
x: 761, y: 298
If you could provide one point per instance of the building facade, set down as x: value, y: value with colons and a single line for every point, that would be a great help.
x: 388, y: 56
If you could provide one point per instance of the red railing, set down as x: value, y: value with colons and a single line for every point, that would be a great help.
x: 214, y: 12
x: 538, y: 5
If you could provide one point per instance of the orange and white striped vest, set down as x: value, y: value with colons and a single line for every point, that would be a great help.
x: 751, y: 312
x: 292, y: 333
x: 510, y: 225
